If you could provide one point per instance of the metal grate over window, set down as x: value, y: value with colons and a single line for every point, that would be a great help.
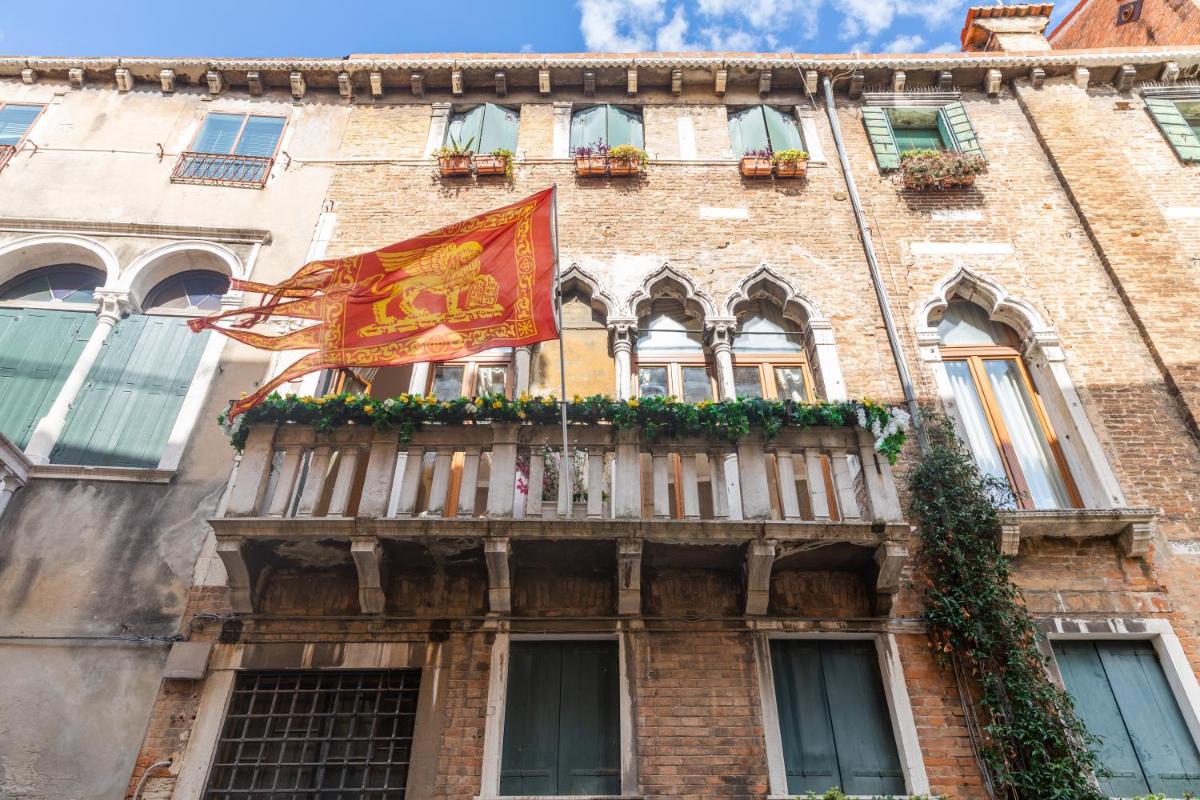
x: 329, y: 735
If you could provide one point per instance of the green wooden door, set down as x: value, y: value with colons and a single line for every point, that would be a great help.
x: 127, y: 407
x: 833, y: 718
x: 38, y: 348
x: 561, y: 729
x: 1122, y: 695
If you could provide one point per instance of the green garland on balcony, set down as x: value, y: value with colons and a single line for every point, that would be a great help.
x: 658, y: 418
x: 1035, y: 747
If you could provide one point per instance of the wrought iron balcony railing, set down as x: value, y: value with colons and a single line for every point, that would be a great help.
x: 214, y: 169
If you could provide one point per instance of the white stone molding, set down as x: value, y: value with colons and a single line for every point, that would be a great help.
x: 718, y: 335
x: 1044, y: 357
x: 14, y: 471
x: 811, y: 134
x: 765, y: 283
x: 44, y: 250
x: 687, y: 137
x: 561, y: 147
x: 891, y: 670
x: 152, y: 268
x: 576, y: 277
x: 439, y: 120
x: 666, y: 281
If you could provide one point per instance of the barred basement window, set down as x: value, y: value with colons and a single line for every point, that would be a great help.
x: 331, y: 735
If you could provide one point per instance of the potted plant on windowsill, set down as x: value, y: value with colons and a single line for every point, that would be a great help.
x: 626, y: 160
x: 756, y: 164
x: 591, y: 159
x: 790, y: 163
x: 497, y: 162
x: 924, y: 170
x: 454, y: 160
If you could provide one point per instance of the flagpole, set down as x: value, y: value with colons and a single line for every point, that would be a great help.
x: 566, y: 472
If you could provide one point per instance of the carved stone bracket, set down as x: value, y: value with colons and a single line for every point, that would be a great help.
x: 497, y: 552
x: 760, y: 558
x: 629, y: 577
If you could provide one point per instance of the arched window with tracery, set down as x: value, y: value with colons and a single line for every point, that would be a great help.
x: 670, y: 354
x: 998, y: 405
x: 769, y: 358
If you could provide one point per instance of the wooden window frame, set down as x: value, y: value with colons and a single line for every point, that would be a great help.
x: 471, y: 373
x: 767, y: 363
x: 674, y: 363
x: 974, y: 356
x: 246, y: 115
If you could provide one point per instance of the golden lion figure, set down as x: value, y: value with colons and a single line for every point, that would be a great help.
x: 451, y: 271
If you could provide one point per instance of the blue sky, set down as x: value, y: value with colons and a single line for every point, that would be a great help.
x: 337, y: 28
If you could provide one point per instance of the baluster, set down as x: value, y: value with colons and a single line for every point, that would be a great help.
x: 717, y: 484
x: 285, y: 481
x: 691, y: 487
x: 343, y: 485
x: 503, y: 480
x: 752, y: 468
x: 380, y: 476
x: 814, y: 476
x: 627, y: 476
x: 441, y: 482
x: 662, y: 500
x: 733, y: 485
x: 788, y: 496
x: 469, y: 483
x: 843, y: 481
x: 595, y: 473
x: 533, y: 500
x: 246, y: 496
x: 314, y: 482
x: 410, y: 481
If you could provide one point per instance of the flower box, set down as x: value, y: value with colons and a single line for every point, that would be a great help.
x: 590, y: 165
x: 489, y: 164
x: 932, y: 170
x: 624, y: 167
x: 454, y: 166
x: 756, y: 167
x: 791, y: 169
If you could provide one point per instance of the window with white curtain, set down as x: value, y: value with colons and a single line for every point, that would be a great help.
x: 1001, y: 414
x: 670, y: 354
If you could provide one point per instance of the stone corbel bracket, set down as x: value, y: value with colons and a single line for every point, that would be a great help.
x: 1132, y: 527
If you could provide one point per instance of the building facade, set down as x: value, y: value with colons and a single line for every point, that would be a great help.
x: 460, y: 614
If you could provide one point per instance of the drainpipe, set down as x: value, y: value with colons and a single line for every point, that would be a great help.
x: 881, y: 294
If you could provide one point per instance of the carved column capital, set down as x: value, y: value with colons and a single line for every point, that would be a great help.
x: 719, y: 332
x: 622, y: 333
x: 114, y: 306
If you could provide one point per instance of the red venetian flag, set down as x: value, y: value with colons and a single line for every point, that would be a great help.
x: 485, y: 282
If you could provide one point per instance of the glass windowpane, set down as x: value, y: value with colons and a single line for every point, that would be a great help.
x: 652, y: 382
x: 260, y: 136
x: 790, y: 384
x: 219, y: 133
x: 974, y: 419
x: 447, y: 381
x: 747, y: 382
x: 1038, y: 465
x: 15, y: 121
x: 696, y: 385
x: 490, y: 379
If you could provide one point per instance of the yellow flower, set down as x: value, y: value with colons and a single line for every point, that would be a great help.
x: 524, y: 398
x: 576, y: 399
x: 419, y: 399
x: 369, y: 410
x: 321, y: 401
x: 496, y: 404
x: 520, y: 415
x: 404, y: 398
x: 445, y: 404
x: 633, y: 403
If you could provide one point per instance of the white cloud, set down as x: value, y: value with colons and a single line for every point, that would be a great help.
x: 527, y: 48
x: 905, y: 44
x: 673, y: 35
x: 619, y: 25
x: 946, y: 47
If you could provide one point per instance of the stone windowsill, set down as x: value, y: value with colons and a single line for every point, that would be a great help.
x: 69, y: 472
x: 1131, y: 525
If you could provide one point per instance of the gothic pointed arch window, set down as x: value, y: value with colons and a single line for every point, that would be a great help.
x: 670, y: 355
x: 1002, y: 415
x: 769, y: 358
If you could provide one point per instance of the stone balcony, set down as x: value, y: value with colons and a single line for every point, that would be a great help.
x: 808, y: 499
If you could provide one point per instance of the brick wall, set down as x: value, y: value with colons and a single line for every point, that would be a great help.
x: 1162, y: 22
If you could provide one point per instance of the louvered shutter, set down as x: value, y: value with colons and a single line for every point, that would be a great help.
x: 748, y: 131
x: 15, y: 121
x: 879, y: 130
x: 260, y: 137
x: 957, y: 129
x: 498, y: 130
x: 463, y: 129
x: 128, y: 405
x: 38, y: 349
x: 589, y: 736
x: 782, y: 130
x: 529, y: 763
x: 625, y: 127
x: 806, y: 731
x: 862, y: 728
x: 218, y: 134
x: 1174, y: 127
x: 588, y: 126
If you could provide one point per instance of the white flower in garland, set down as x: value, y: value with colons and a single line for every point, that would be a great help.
x: 897, y: 420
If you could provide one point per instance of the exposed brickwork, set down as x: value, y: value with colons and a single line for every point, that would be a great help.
x: 1093, y: 23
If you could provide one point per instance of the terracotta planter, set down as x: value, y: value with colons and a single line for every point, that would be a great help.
x: 491, y: 165
x: 590, y: 165
x: 755, y: 167
x: 791, y: 169
x: 624, y: 167
x: 965, y: 182
x: 454, y: 166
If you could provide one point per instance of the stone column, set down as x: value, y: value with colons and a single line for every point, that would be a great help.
x: 113, y: 307
x: 522, y: 356
x: 622, y: 333
x: 720, y: 340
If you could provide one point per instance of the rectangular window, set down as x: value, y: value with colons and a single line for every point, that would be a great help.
x: 833, y: 718
x: 15, y: 121
x: 763, y: 128
x: 484, y: 129
x: 608, y: 124
x: 1179, y: 121
x: 310, y: 735
x: 487, y: 372
x: 561, y: 720
x: 1122, y: 695
x: 692, y: 383
x: 898, y: 129
x: 770, y: 379
x: 917, y: 129
x: 231, y: 149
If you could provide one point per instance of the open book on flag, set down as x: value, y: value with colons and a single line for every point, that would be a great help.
x: 484, y: 282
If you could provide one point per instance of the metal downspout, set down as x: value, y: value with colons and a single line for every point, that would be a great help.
x: 881, y: 294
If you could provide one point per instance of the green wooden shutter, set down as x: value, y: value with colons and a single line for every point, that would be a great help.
x: 529, y: 763
x: 1177, y: 130
x: 782, y: 130
x: 1159, y: 734
x: 862, y: 728
x: 588, y: 126
x: 1085, y: 678
x: 589, y: 742
x: 625, y: 127
x: 879, y: 130
x: 126, y: 409
x: 464, y: 129
x: 748, y: 131
x: 957, y: 130
x: 38, y: 349
x: 809, y: 755
x: 499, y: 129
